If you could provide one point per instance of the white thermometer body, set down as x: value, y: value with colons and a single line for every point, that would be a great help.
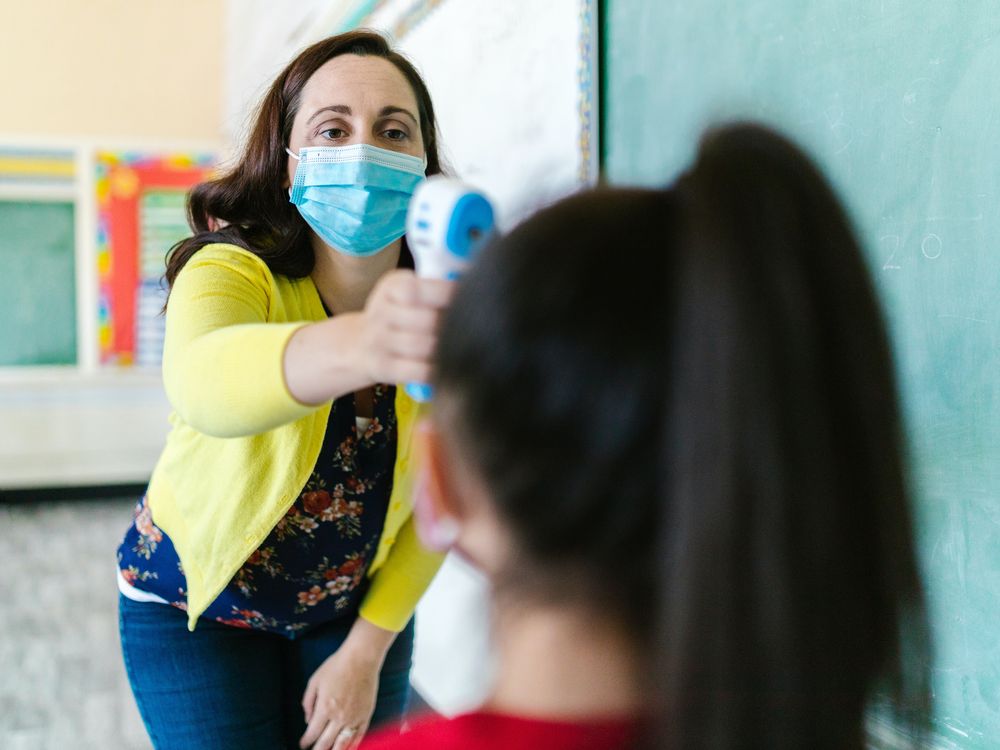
x: 447, y: 224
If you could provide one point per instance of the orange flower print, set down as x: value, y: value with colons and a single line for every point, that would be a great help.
x: 144, y: 523
x: 316, y: 503
x: 243, y: 580
x: 373, y: 429
x: 344, y: 457
x: 312, y: 597
x: 234, y: 623
x: 339, y: 585
x: 284, y: 528
x: 306, y: 523
x: 263, y: 558
x: 350, y: 567
x: 131, y: 574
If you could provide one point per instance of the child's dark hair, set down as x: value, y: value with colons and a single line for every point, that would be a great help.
x: 683, y: 404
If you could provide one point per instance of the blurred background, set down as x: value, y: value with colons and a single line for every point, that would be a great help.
x: 109, y: 111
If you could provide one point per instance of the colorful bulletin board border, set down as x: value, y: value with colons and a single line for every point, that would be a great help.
x: 361, y: 14
x: 122, y: 179
x: 413, y: 17
x: 408, y: 20
x: 587, y: 94
x: 28, y: 166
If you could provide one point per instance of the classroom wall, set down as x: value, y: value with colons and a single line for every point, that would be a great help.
x: 263, y: 36
x: 112, y: 68
x: 101, y: 74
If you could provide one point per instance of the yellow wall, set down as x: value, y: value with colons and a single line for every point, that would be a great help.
x: 143, y: 69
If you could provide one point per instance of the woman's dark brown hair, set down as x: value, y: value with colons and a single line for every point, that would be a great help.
x: 248, y: 205
x: 683, y: 404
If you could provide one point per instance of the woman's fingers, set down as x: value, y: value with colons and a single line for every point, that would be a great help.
x: 406, y: 288
x: 405, y: 345
x: 314, y: 730
x: 399, y: 333
x: 335, y: 736
x: 409, y: 371
x: 436, y: 293
x: 309, y: 700
x: 328, y: 738
x: 349, y: 738
x: 413, y: 319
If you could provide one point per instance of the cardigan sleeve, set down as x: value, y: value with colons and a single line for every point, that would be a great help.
x: 223, y: 366
x: 401, y: 580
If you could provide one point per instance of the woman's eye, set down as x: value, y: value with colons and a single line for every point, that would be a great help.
x: 394, y: 134
x: 332, y: 134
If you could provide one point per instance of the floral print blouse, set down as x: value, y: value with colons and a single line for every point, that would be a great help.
x: 311, y: 568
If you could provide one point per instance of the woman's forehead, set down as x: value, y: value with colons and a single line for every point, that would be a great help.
x: 355, y: 80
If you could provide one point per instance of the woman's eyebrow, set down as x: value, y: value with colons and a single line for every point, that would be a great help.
x: 340, y: 108
x: 343, y: 109
x: 393, y: 110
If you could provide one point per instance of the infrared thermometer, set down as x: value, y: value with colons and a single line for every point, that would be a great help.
x: 447, y: 224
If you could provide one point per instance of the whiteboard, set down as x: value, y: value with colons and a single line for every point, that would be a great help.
x: 509, y: 81
x: 514, y: 90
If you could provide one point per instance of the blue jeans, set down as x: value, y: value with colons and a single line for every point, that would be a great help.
x: 225, y: 687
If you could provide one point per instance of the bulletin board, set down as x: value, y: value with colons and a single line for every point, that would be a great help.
x: 37, y: 255
x: 140, y: 215
x: 38, y: 283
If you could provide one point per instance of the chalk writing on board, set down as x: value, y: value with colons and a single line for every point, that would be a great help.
x: 978, y: 217
x: 843, y: 135
x: 962, y: 317
x: 931, y: 247
x: 893, y: 242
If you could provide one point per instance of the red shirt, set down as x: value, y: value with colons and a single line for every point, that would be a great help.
x: 486, y: 731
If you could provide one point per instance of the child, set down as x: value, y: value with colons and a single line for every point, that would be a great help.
x: 666, y: 429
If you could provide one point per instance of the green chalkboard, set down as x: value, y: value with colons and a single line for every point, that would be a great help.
x: 899, y: 100
x: 37, y: 283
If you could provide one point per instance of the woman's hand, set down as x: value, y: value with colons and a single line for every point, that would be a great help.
x: 339, y: 702
x: 390, y: 341
x: 398, y: 331
x: 340, y: 696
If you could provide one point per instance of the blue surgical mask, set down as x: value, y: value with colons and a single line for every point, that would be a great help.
x: 355, y: 197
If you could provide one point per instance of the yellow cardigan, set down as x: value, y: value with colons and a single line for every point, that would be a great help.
x: 242, y: 447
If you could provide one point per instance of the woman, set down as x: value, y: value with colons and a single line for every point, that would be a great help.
x: 278, y: 517
x: 693, y: 512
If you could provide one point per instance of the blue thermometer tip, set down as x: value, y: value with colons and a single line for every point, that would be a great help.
x: 420, y: 392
